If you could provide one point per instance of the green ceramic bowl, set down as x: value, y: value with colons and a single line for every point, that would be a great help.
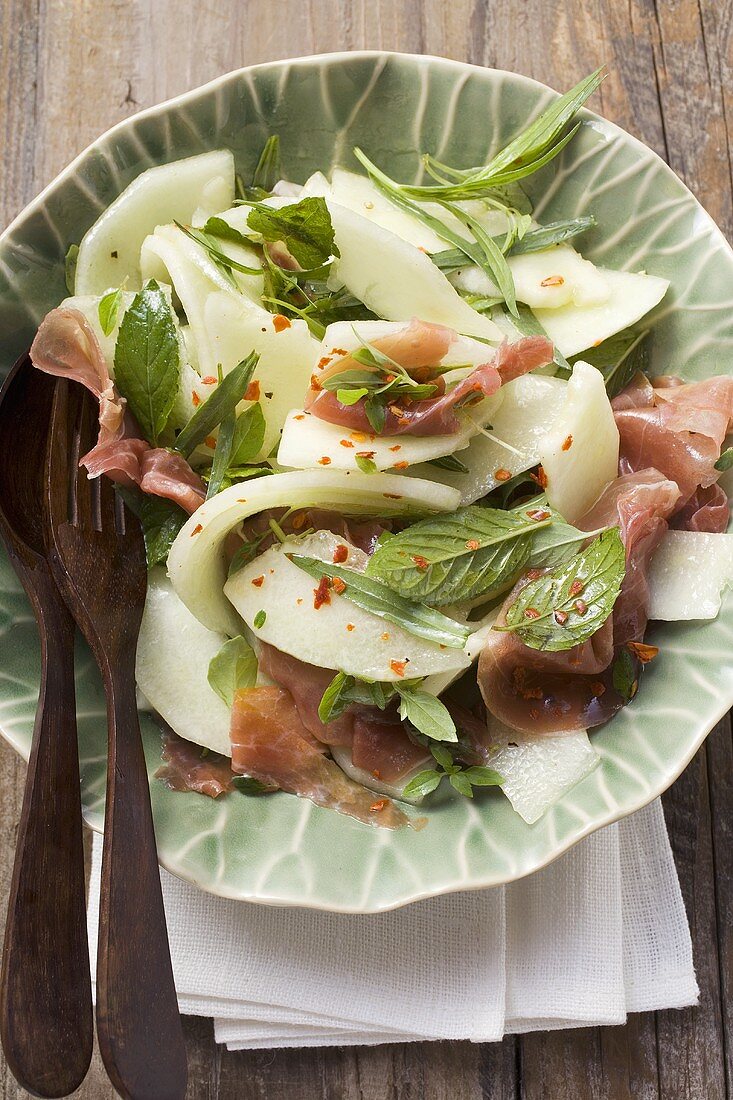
x: 281, y: 849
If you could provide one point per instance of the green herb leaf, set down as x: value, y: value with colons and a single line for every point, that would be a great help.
x: 450, y: 558
x: 379, y: 599
x: 546, y: 236
x: 108, y: 309
x: 461, y: 783
x: 567, y: 606
x: 421, y: 784
x: 246, y: 553
x: 726, y: 460
x: 246, y: 784
x: 449, y: 462
x: 222, y: 455
x: 483, y: 777
x: 260, y: 619
x: 443, y: 757
x: 624, y: 675
x: 426, y: 713
x: 304, y: 227
x: 224, y: 263
x: 345, y: 690
x: 494, y: 262
x: 160, y: 519
x: 350, y: 397
x: 366, y: 465
x: 375, y: 414
x: 217, y: 406
x: 249, y: 435
x: 268, y: 170
x: 618, y: 359
x: 552, y: 543
x: 72, y: 255
x: 232, y: 669
x: 147, y: 360
x: 217, y: 227
x: 525, y: 322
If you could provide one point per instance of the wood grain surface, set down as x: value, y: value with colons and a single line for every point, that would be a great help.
x: 71, y: 68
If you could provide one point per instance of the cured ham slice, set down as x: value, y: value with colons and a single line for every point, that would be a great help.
x: 381, y: 747
x: 67, y: 347
x: 676, y: 427
x: 543, y: 693
x: 706, y: 510
x: 270, y: 743
x: 306, y: 683
x: 436, y: 415
x: 188, y: 767
x: 419, y: 348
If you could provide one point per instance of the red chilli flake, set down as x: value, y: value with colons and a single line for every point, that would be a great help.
x: 531, y: 613
x: 346, y: 443
x: 321, y: 594
x: 210, y: 380
x: 280, y: 322
x: 339, y: 351
x: 644, y: 652
x: 398, y: 667
x: 420, y: 561
x: 324, y: 461
x: 553, y: 280
x: 258, y: 581
x: 377, y: 806
x: 561, y: 617
x: 195, y: 399
x: 338, y: 585
x: 350, y: 626
x: 392, y: 496
x: 252, y: 393
x: 397, y: 447
x: 400, y: 465
x: 576, y: 587
x: 365, y: 454
x: 385, y: 637
x: 502, y: 474
x: 298, y: 520
x: 300, y: 416
x: 210, y: 442
x: 598, y: 688
x: 534, y: 574
x: 580, y: 606
x: 341, y: 553
x: 540, y: 478
x: 567, y: 443
x: 323, y: 362
x: 473, y: 544
x: 197, y: 528
x: 315, y: 384
x: 538, y: 514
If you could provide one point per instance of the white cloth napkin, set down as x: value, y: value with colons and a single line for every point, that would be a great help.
x: 599, y: 933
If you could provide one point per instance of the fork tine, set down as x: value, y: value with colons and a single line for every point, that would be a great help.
x: 107, y: 504
x: 87, y: 508
x: 59, y: 487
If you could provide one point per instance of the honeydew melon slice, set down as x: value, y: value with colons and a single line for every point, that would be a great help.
x: 308, y: 443
x: 197, y: 563
x: 556, y: 277
x: 338, y: 635
x: 688, y: 575
x: 538, y: 771
x: 529, y: 407
x: 173, y: 654
x: 580, y: 453
x: 110, y: 250
x: 475, y: 642
x: 574, y: 328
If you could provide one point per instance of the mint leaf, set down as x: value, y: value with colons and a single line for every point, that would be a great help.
x: 217, y: 227
x: 224, y: 262
x: 108, y: 309
x: 217, y: 406
x: 304, y: 227
x: 147, y: 360
x: 618, y: 359
x: 423, y: 783
x: 726, y: 460
x: 249, y: 435
x: 624, y: 675
x: 233, y: 668
x: 259, y: 620
x: 345, y: 690
x: 565, y: 607
x: 450, y: 558
x: 160, y: 519
x: 377, y: 598
x: 366, y: 465
x: 426, y: 713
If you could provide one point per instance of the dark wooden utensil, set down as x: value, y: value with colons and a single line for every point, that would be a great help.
x: 101, y: 569
x: 45, y: 991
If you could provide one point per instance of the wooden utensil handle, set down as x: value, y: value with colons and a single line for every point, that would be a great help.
x: 138, y: 1023
x: 45, y: 991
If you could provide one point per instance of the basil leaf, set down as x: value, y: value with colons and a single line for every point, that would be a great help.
x: 147, y: 360
x: 249, y: 435
x: 450, y: 558
x: 108, y: 309
x: 268, y: 170
x: 375, y: 414
x: 567, y: 606
x: 483, y: 777
x: 444, y: 757
x: 304, y: 227
x: 350, y: 397
x: 160, y: 519
x: 70, y: 260
x: 219, y: 404
x: 260, y: 619
x: 426, y: 713
x: 345, y: 690
x: 233, y: 668
x: 726, y: 460
x: 377, y: 598
x: 423, y: 783
x: 222, y: 455
x: 618, y: 359
x: 246, y: 784
x: 448, y: 462
x: 461, y: 783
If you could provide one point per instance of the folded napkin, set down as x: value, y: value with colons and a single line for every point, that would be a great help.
x: 597, y: 934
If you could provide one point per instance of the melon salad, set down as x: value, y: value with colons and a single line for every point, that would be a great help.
x: 409, y: 495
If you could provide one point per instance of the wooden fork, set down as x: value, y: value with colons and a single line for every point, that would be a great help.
x: 100, y: 566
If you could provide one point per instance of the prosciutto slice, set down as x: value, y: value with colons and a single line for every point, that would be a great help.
x: 381, y: 747
x: 706, y: 510
x: 188, y: 767
x: 437, y: 415
x: 67, y: 347
x: 270, y: 743
x: 544, y: 693
x: 306, y: 684
x: 676, y: 427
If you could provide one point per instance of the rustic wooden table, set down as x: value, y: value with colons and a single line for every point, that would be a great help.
x: 68, y: 70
